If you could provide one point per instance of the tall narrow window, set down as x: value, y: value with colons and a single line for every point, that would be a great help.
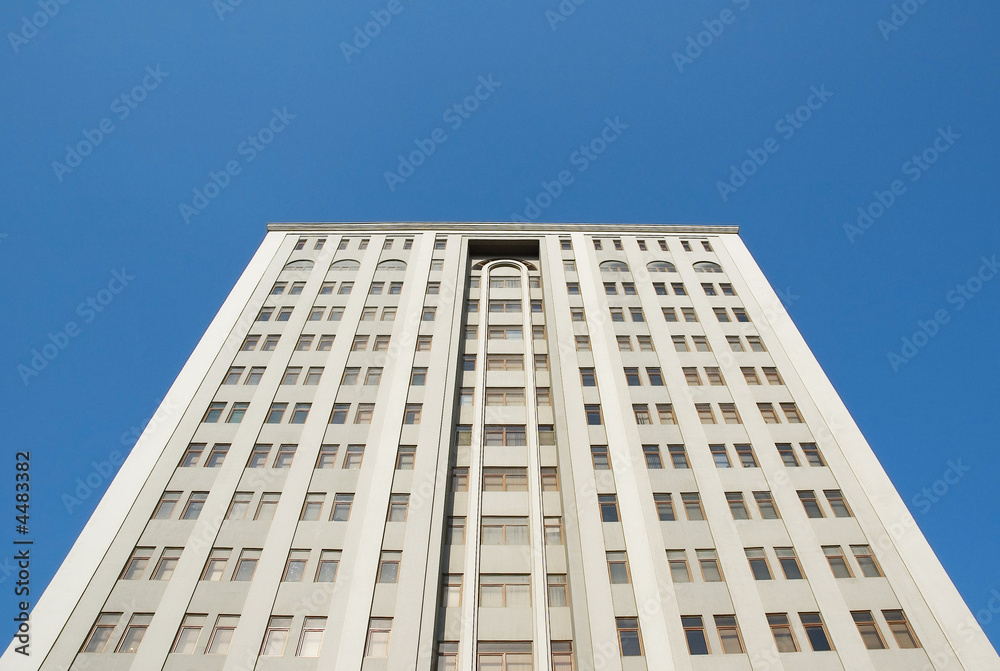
x: 758, y: 563
x: 134, y: 632
x: 694, y: 632
x: 276, y: 636
x: 781, y: 629
x: 789, y: 563
x: 629, y: 637
x: 868, y: 628
x: 816, y: 632
x: 100, y: 633
x: 678, y: 563
x: 901, y: 629
x: 188, y: 634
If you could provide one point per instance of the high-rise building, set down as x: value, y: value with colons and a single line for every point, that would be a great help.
x: 502, y: 447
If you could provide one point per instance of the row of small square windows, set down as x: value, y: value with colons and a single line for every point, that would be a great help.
x: 442, y: 243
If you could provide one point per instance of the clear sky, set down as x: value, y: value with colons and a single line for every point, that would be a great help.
x: 114, y: 113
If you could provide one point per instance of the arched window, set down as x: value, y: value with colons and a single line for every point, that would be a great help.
x: 345, y: 264
x: 707, y: 267
x: 391, y: 264
x: 614, y: 267
x: 481, y: 264
x: 299, y: 264
x: 661, y: 267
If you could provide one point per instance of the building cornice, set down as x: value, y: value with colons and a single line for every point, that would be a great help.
x: 504, y: 227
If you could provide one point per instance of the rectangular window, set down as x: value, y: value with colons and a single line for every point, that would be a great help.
x: 691, y: 376
x: 678, y: 288
x: 364, y: 413
x: 692, y: 506
x: 680, y: 343
x: 188, y: 634
x: 233, y: 376
x: 388, y: 567
x: 217, y: 456
x: 714, y: 376
x: 134, y: 633
x: 276, y: 636
x: 631, y: 377
x: 737, y: 505
x: 708, y: 560
x: 608, y: 504
x: 424, y: 343
x: 411, y: 414
x: 866, y: 560
x: 239, y: 506
x: 405, y: 456
x: 729, y: 634
x: 812, y: 453
x: 368, y: 314
x: 741, y: 315
x: 765, y: 504
x: 499, y: 435
x: 641, y: 412
x: 768, y: 413
x: 165, y: 508
x: 729, y: 413
x: 329, y: 562
x: 787, y: 455
x: 345, y: 288
x: 665, y: 412
x: 838, y: 562
x: 721, y: 315
x: 168, y: 562
x: 816, y: 632
x: 720, y: 456
x: 810, y: 503
x: 295, y: 566
x: 636, y: 314
x: 505, y: 479
x: 784, y: 638
x: 789, y: 563
x: 195, y: 502
x: 336, y: 314
x: 582, y: 343
x: 629, y: 637
x: 504, y: 591
x: 353, y: 457
x: 705, y: 413
x: 246, y: 566
x: 557, y: 593
x: 664, y: 507
x: 678, y: 564
x: 268, y: 504
x: 552, y: 528
x: 750, y: 375
x: 747, y: 458
x: 678, y: 456
x: 758, y: 563
x: 669, y: 314
x: 214, y: 412
x: 275, y: 413
x: 701, y: 343
x: 504, y: 530
x: 311, y: 638
x: 137, y: 563
x: 617, y: 314
x: 312, y: 507
x: 327, y: 456
x: 192, y: 455
x: 901, y: 629
x: 341, y: 507
x: 299, y: 413
x: 599, y: 455
x: 573, y: 288
x: 689, y: 315
x: 456, y: 531
x: 618, y: 568
x: 837, y: 503
x: 655, y: 377
x: 339, y: 414
x: 791, y: 413
x: 868, y: 628
x: 593, y: 413
x: 694, y: 633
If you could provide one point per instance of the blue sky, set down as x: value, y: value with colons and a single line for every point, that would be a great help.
x: 114, y: 113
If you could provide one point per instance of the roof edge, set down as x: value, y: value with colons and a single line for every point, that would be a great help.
x: 502, y: 226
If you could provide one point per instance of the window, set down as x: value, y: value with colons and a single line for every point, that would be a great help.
x: 734, y: 343
x: 504, y: 530
x: 837, y: 503
x: 428, y: 313
x: 291, y: 375
x: 747, y: 458
x: 195, y: 502
x: 326, y: 288
x: 784, y: 638
x: 701, y: 344
x: 188, y: 634
x: 311, y: 638
x: 424, y: 343
x: 678, y: 288
x: 505, y: 306
x: 341, y: 507
x: 737, y: 505
x: 866, y: 560
x: 239, y: 506
x: 469, y: 362
x: 900, y: 628
x: 299, y: 413
x: 791, y: 413
x: 463, y: 434
x: 588, y: 377
x: 418, y: 377
x: 816, y: 632
x: 396, y: 288
x: 505, y: 333
x: 408, y: 243
x: 608, y: 503
x: 714, y: 376
x: 368, y: 314
x: 471, y: 332
x: 296, y: 288
x: 664, y: 507
x: 729, y: 634
x: 593, y: 414
x: 629, y: 638
x: 168, y: 562
x: 708, y: 560
x: 353, y: 457
x: 655, y: 377
x: 250, y: 343
x: 729, y: 413
x: 768, y: 413
x: 472, y: 307
x: 134, y: 632
x: 661, y: 267
x: 345, y: 288
x: 689, y: 315
x: 809, y: 502
x: 276, y: 636
x: 504, y: 656
x: 388, y: 567
x: 137, y: 563
x: 618, y: 568
x: 583, y: 343
x: 678, y: 564
x: 867, y: 627
x: 691, y: 376
x: 741, y: 315
x: 278, y: 288
x: 617, y: 315
x: 789, y: 563
x: 538, y: 332
x: 637, y: 315
x: 329, y: 562
x: 812, y: 453
x: 641, y: 412
x: 838, y: 562
x: 165, y: 508
x: 268, y: 504
x: 213, y: 413
x: 504, y: 591
x: 597, y: 244
x: 381, y: 343
x: 327, y: 456
x: 765, y: 504
x: 573, y: 288
x: 405, y: 456
x: 550, y: 479
x: 364, y: 413
x: 217, y: 455
x: 284, y: 314
x: 652, y: 455
x: 451, y: 597
x: 772, y: 376
x: 340, y: 410
x: 192, y: 454
x: 709, y: 289
x: 694, y: 632
x: 246, y: 565
x: 680, y: 343
x: 265, y: 313
x: 678, y: 456
x: 312, y: 507
x: 787, y: 455
x: 411, y: 414
x: 233, y: 375
x: 301, y: 244
x: 692, y: 506
x: 275, y: 413
x: 610, y: 288
x: 557, y: 592
x: 618, y: 245
x: 499, y: 435
x: 631, y: 377
x: 669, y: 314
x: 719, y: 456
x: 628, y: 288
x: 599, y: 455
x: 665, y: 412
x: 721, y: 315
x: 398, y: 506
x: 705, y: 413
x: 336, y: 314
x: 295, y: 566
x: 456, y: 531
x: 222, y: 635
x: 313, y: 375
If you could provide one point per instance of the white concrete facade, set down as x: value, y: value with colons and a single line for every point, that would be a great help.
x: 502, y: 447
